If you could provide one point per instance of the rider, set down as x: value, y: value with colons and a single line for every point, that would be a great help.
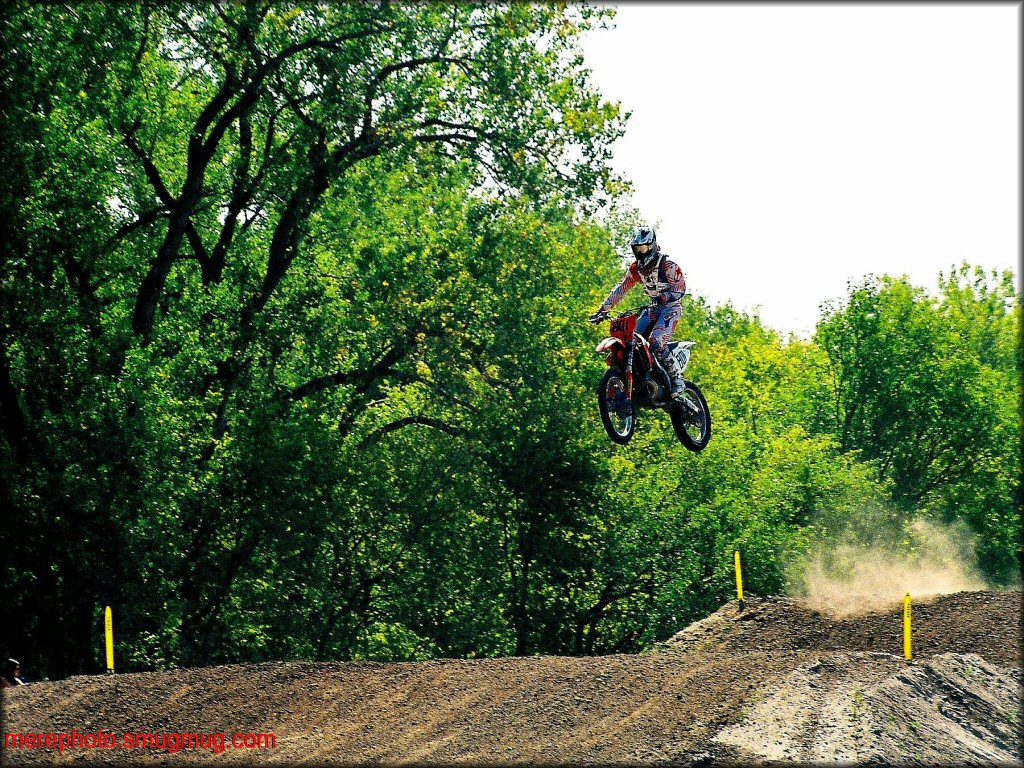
x: 664, y: 282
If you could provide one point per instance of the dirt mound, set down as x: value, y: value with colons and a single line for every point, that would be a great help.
x: 766, y: 683
x: 847, y: 709
x: 985, y: 623
x: 550, y: 710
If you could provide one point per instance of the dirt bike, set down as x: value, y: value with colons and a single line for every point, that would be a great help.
x: 636, y: 379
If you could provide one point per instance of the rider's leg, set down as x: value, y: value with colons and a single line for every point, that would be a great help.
x: 646, y: 317
x: 660, y: 336
x: 651, y: 318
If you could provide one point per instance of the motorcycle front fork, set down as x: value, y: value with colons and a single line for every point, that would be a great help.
x: 629, y: 369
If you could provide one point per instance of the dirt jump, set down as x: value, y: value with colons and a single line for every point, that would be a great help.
x: 773, y: 682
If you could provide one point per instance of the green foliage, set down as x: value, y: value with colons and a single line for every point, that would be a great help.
x: 294, y: 360
x: 927, y: 388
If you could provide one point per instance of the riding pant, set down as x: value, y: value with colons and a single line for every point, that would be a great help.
x: 664, y: 318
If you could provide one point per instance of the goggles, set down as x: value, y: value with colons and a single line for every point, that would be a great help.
x: 642, y: 248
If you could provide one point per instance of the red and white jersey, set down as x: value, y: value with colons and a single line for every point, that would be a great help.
x: 667, y: 280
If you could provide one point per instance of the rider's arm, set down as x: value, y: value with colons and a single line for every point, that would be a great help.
x: 676, y: 282
x: 619, y: 292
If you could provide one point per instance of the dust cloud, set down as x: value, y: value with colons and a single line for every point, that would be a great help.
x: 843, y: 577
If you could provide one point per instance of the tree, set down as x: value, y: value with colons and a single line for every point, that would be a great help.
x: 926, y: 388
x: 163, y: 259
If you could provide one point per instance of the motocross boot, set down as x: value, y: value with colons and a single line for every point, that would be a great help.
x: 674, y: 371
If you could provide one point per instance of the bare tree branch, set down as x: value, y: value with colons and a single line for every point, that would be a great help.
x: 424, y: 421
x: 152, y: 173
x: 361, y: 378
x: 144, y: 220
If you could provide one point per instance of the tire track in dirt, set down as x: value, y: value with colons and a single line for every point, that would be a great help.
x: 774, y: 681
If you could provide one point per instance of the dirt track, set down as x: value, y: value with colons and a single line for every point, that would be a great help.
x: 774, y: 681
x: 985, y: 623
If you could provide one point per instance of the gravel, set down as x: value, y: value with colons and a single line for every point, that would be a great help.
x: 773, y: 682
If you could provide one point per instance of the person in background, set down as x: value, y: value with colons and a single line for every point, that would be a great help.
x: 12, y: 674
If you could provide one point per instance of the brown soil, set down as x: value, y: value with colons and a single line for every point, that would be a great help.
x: 985, y: 623
x: 773, y: 682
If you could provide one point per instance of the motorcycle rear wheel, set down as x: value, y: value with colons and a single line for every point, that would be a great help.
x: 617, y: 414
x: 693, y: 430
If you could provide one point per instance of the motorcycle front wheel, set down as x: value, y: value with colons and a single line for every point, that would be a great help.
x: 692, y: 425
x: 618, y: 412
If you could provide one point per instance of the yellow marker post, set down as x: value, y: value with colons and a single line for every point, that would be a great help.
x: 110, y: 639
x: 739, y: 579
x: 907, y: 651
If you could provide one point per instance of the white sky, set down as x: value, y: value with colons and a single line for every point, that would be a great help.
x: 786, y: 149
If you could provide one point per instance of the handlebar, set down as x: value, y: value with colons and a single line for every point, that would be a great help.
x: 598, y: 318
x: 638, y: 310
